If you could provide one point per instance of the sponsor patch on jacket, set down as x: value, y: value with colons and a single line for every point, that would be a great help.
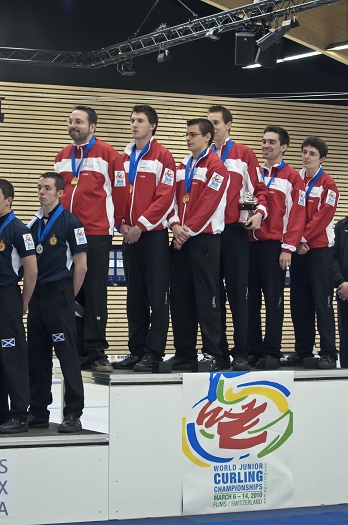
x: 28, y: 242
x: 215, y: 181
x: 120, y: 179
x: 168, y: 177
x: 331, y: 198
x: 80, y: 236
x: 302, y: 198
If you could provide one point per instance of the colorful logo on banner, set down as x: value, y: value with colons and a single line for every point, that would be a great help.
x: 240, y: 417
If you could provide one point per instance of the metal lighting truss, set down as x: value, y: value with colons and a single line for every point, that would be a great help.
x: 164, y: 37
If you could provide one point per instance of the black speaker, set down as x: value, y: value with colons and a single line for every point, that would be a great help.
x: 269, y: 57
x: 244, y: 49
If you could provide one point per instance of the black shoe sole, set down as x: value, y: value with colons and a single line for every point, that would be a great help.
x: 64, y: 431
x: 14, y: 431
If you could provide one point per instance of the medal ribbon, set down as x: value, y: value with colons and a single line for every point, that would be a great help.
x: 133, y: 164
x: 280, y: 167
x: 313, y: 181
x: 226, y: 151
x: 8, y: 220
x: 76, y: 171
x: 42, y: 236
x: 189, y: 173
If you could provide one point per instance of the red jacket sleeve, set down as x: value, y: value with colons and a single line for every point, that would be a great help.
x: 325, y: 212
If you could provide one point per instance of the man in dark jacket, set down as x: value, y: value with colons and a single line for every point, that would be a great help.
x: 341, y: 282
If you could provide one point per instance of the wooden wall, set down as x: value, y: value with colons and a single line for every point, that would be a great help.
x: 35, y: 129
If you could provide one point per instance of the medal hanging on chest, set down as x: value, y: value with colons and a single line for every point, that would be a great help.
x: 76, y: 171
x: 133, y: 164
x: 41, y: 235
x: 189, y: 174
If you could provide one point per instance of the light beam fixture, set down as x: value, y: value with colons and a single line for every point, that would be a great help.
x: 126, y: 68
x: 274, y: 36
x: 163, y: 56
x: 210, y: 34
x: 338, y: 46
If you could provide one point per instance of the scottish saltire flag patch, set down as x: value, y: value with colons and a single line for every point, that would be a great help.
x: 5, y: 343
x: 58, y: 337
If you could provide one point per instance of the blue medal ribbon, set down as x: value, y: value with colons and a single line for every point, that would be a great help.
x: 42, y: 236
x: 7, y: 221
x: 226, y: 151
x: 133, y: 164
x: 76, y: 171
x: 280, y: 167
x: 313, y: 182
x: 189, y: 173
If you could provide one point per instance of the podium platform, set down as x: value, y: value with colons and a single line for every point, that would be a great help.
x: 135, y: 471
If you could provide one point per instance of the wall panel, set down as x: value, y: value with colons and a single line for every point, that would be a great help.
x: 34, y: 130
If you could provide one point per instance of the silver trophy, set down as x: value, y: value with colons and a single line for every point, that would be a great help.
x: 247, y: 206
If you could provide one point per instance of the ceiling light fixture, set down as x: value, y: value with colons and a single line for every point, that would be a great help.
x: 210, y: 34
x: 338, y: 46
x: 274, y: 36
x: 287, y: 59
x: 126, y: 68
x: 163, y: 56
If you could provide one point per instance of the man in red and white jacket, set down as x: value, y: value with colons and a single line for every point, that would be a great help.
x: 272, y: 246
x: 96, y: 193
x: 241, y: 163
x: 197, y: 221
x: 312, y: 283
x: 150, y: 170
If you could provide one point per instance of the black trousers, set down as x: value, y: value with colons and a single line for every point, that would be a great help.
x: 311, y: 296
x: 194, y: 295
x: 342, y: 314
x: 234, y: 268
x: 146, y: 265
x: 265, y: 276
x: 14, y: 372
x: 51, y: 323
x: 91, y: 328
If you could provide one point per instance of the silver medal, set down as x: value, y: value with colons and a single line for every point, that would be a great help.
x: 39, y: 248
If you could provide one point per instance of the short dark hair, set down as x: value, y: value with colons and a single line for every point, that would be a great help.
x: 317, y: 143
x: 91, y: 114
x: 226, y: 114
x: 205, y: 126
x: 149, y: 111
x: 7, y: 189
x: 284, y: 137
x: 59, y: 181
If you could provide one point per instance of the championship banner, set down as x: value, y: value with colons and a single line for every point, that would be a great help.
x: 237, y: 444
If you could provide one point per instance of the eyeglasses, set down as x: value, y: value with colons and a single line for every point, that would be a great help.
x: 76, y: 121
x: 191, y: 134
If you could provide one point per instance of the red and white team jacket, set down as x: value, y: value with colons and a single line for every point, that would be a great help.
x: 242, y: 164
x: 205, y: 210
x: 99, y: 198
x: 320, y: 210
x: 286, y: 209
x: 152, y: 198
